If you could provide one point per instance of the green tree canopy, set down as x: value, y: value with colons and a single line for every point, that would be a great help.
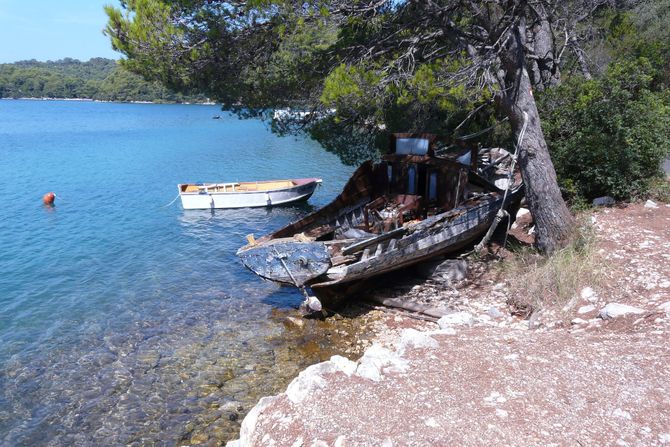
x: 98, y: 79
x: 369, y: 67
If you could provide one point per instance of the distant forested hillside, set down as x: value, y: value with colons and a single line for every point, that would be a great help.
x: 100, y: 79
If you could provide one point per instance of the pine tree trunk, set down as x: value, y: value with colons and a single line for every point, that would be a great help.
x: 553, y: 222
x: 544, y: 70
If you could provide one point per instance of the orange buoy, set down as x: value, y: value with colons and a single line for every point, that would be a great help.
x: 49, y: 198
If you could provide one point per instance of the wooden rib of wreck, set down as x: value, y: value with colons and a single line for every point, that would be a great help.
x: 419, y: 202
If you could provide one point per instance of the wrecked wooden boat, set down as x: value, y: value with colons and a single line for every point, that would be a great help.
x: 421, y: 201
x: 245, y: 194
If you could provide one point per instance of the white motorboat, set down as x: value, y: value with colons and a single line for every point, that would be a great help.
x: 245, y: 194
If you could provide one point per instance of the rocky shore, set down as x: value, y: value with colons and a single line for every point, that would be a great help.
x: 594, y: 370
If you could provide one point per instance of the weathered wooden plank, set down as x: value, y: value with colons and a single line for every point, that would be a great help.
x: 353, y: 248
x: 444, y: 235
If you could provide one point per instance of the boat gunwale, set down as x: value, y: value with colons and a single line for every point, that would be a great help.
x: 314, y: 181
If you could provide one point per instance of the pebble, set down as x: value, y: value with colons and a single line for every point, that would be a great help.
x: 296, y: 322
x: 494, y: 312
x: 650, y: 204
x: 586, y: 309
x: 455, y: 319
x: 588, y: 294
x: 501, y: 413
x: 619, y: 413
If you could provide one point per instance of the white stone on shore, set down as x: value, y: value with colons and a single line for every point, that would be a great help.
x: 377, y: 360
x: 578, y: 321
x: 650, y: 204
x: 311, y: 378
x: 416, y: 339
x: 494, y: 312
x: 619, y: 413
x: 455, y: 319
x: 501, y: 413
x: 665, y: 307
x: 586, y: 309
x: 588, y: 294
x: 344, y: 364
x: 483, y: 318
x: 614, y: 310
x: 250, y: 421
x: 446, y: 331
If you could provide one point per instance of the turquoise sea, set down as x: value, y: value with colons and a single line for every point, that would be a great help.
x: 124, y: 322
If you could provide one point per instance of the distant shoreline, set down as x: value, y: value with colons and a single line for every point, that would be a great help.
x: 208, y: 103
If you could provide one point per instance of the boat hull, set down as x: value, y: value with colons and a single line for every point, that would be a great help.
x: 450, y: 236
x: 247, y: 199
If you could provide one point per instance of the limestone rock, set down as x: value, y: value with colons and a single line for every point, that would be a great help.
x: 588, y: 294
x: 614, y: 310
x: 665, y: 307
x: 344, y: 364
x: 311, y: 379
x: 250, y: 421
x: 455, y: 319
x: 650, y: 204
x: 493, y: 312
x: 378, y: 360
x: 448, y: 270
x: 416, y: 339
x: 586, y: 309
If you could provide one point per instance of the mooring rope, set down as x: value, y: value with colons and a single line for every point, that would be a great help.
x: 173, y: 201
x: 501, y: 212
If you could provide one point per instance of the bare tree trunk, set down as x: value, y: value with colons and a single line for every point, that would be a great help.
x: 581, y: 60
x: 544, y: 69
x: 553, y: 222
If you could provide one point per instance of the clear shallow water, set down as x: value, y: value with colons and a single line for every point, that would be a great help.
x: 122, y: 321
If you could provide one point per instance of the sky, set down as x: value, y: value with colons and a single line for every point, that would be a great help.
x: 52, y: 29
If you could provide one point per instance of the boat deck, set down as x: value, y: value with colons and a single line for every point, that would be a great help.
x: 269, y: 185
